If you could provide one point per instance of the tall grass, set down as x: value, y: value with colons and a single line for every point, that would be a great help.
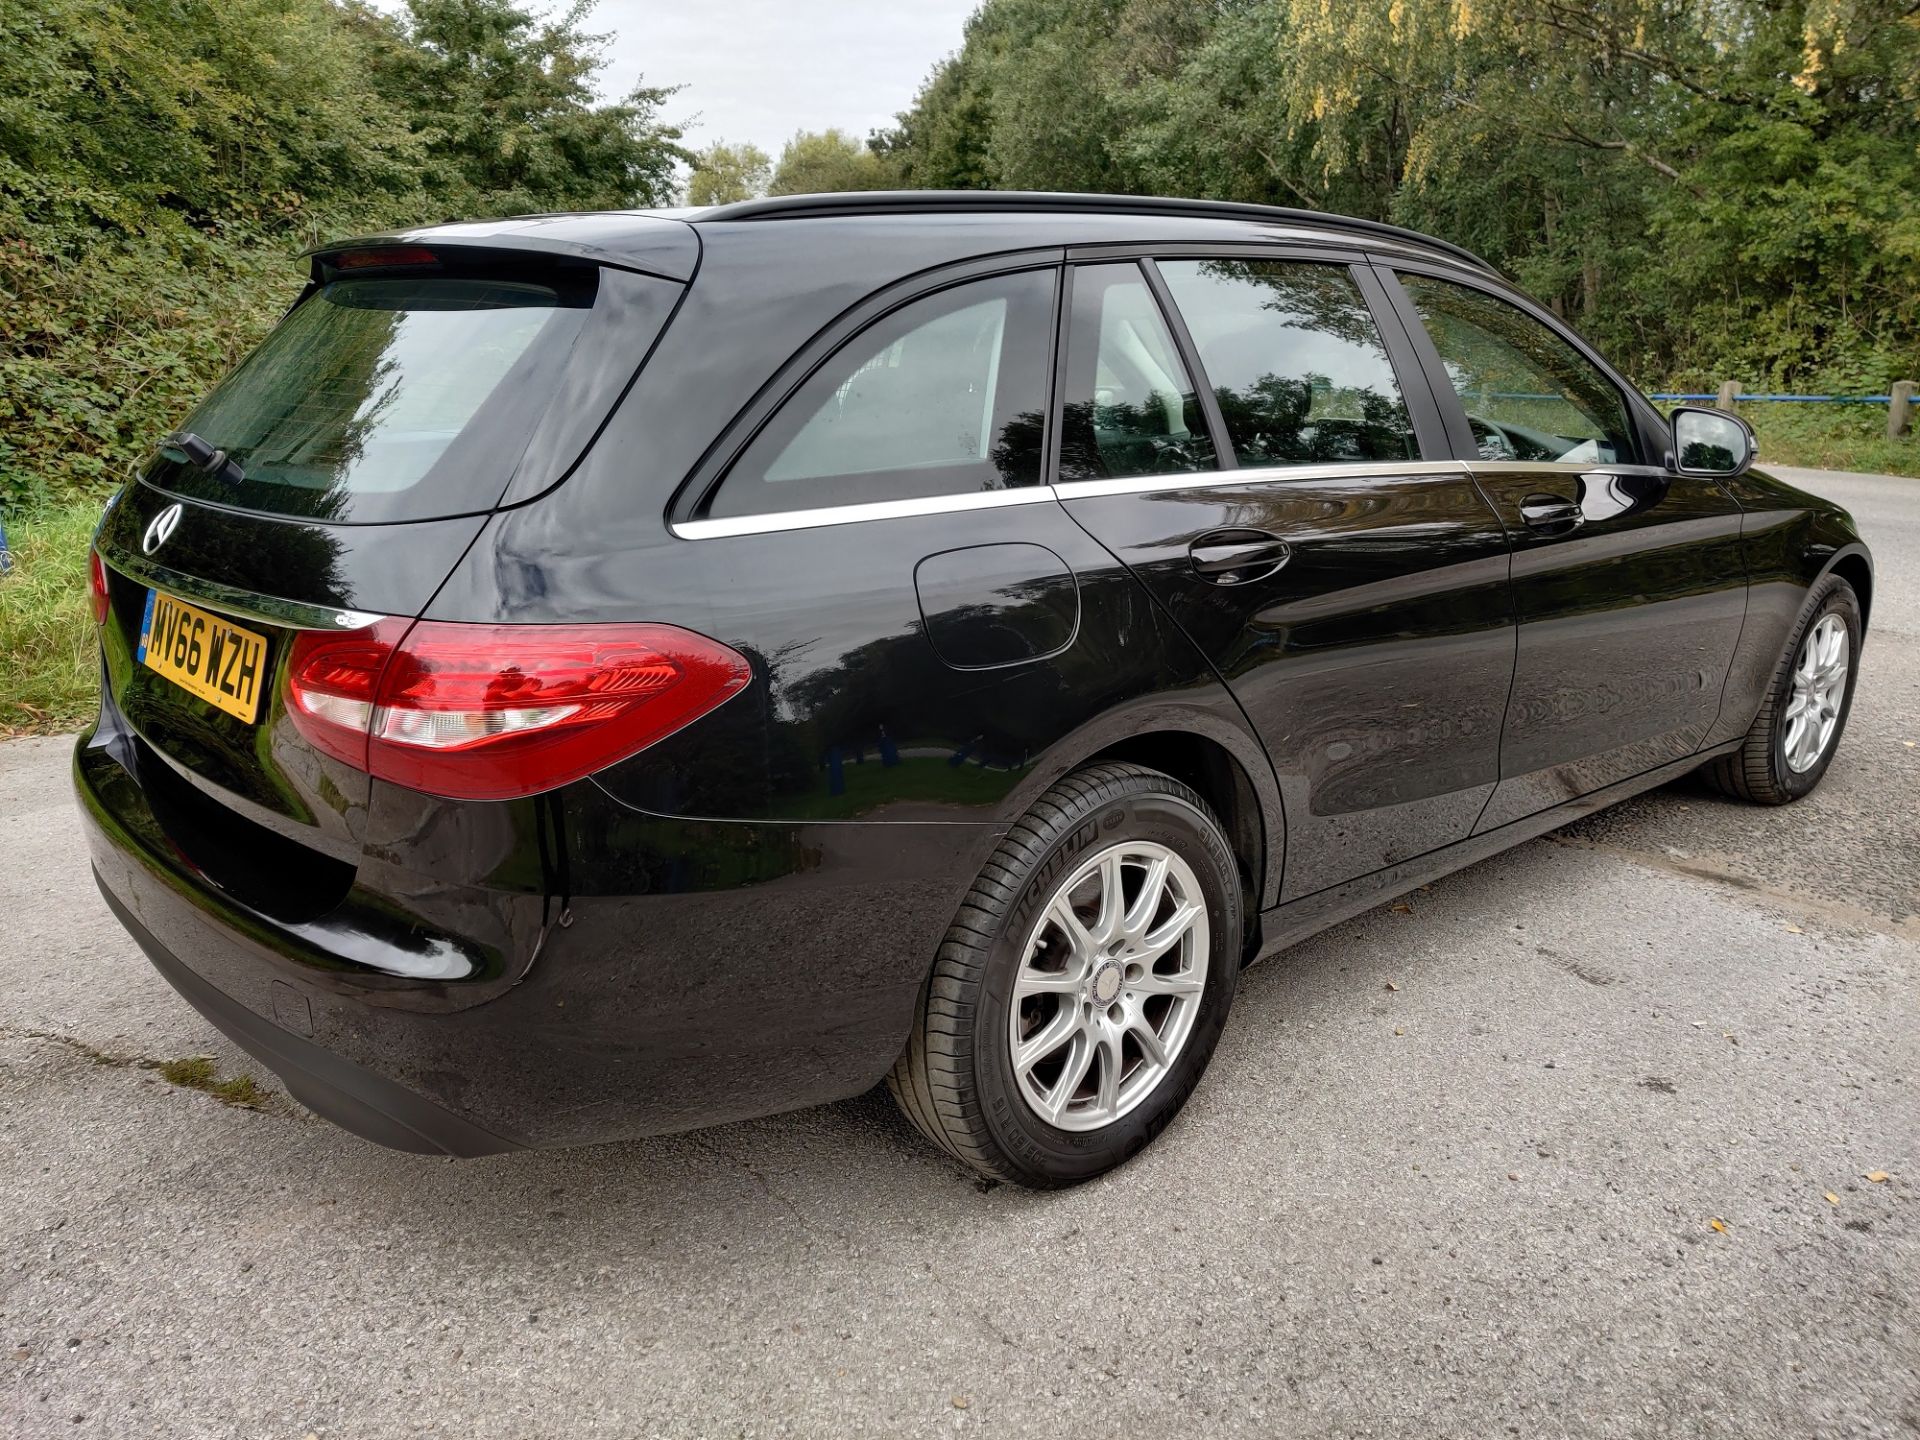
x: 1831, y: 437
x: 48, y: 675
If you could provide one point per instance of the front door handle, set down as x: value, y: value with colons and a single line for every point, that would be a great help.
x: 1234, y: 557
x: 1551, y: 513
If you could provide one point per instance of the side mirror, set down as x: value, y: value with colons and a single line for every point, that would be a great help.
x: 1710, y: 442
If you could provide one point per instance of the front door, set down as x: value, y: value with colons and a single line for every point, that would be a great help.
x: 1290, y: 511
x: 1628, y: 579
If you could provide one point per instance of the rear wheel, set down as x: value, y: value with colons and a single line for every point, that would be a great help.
x: 1793, y: 738
x: 1079, y: 995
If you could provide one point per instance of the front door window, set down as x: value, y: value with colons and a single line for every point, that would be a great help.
x: 1528, y: 394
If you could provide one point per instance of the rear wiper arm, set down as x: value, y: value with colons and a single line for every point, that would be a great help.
x: 203, y: 456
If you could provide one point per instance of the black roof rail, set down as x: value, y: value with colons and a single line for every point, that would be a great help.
x: 884, y: 202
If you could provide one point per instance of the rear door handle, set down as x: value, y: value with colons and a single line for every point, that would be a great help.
x: 1234, y: 557
x: 1552, y: 513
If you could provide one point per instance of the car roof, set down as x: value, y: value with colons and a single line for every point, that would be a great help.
x: 666, y: 242
x: 916, y: 207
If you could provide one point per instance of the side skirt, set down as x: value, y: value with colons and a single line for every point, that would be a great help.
x: 1288, y: 924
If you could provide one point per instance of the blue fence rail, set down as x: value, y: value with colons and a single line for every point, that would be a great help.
x: 1743, y: 398
x: 1797, y: 399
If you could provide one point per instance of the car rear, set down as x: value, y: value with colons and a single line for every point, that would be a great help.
x: 339, y: 830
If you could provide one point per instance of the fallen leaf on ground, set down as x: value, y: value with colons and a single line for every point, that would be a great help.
x: 1719, y: 1225
x: 1795, y: 930
x: 960, y: 1402
x: 1392, y: 986
x: 1832, y: 1199
x: 1878, y: 1177
x: 1403, y: 908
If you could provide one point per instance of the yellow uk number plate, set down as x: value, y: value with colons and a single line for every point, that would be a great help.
x: 204, y: 654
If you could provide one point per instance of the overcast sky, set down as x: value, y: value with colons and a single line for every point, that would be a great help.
x: 761, y: 69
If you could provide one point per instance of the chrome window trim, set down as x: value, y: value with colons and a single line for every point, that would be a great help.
x: 1261, y: 475
x: 777, y: 520
x: 774, y: 520
x: 1564, y: 467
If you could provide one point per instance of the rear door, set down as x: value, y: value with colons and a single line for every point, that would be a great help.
x: 874, y: 534
x: 1247, y: 434
x: 1629, y: 583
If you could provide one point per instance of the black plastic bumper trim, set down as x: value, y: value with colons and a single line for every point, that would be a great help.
x: 331, y: 1086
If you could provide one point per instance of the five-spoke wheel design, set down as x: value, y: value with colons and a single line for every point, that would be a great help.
x: 1109, y: 984
x: 1819, y: 691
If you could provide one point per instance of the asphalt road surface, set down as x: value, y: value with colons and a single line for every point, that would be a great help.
x: 1480, y: 1204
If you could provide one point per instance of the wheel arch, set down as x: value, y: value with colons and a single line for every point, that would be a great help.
x: 1202, y: 748
x: 1855, y: 566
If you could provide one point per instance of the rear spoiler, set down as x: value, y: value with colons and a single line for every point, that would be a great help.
x: 646, y: 244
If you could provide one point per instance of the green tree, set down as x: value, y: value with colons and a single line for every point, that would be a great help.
x: 163, y: 163
x: 503, y: 104
x: 1706, y: 189
x: 942, y: 142
x: 816, y: 163
x: 724, y: 173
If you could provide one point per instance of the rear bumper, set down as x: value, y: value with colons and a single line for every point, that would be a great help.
x: 711, y: 972
x: 351, y: 1096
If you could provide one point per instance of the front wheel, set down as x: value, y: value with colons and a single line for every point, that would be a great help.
x: 1793, y: 738
x: 1079, y: 994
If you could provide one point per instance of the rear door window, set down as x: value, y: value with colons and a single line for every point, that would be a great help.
x: 943, y: 396
x: 1294, y: 359
x: 389, y: 397
x: 1129, y: 406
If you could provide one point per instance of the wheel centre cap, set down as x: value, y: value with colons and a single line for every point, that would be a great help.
x: 1106, y: 983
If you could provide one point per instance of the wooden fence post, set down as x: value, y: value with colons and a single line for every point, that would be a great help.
x: 1729, y: 394
x: 1900, y: 409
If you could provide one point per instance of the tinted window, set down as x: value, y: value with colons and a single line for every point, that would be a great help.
x: 941, y: 397
x: 1529, y: 395
x: 389, y: 398
x: 1292, y: 354
x: 1129, y: 406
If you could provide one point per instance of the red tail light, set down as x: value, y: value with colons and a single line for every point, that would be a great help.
x: 492, y: 712
x: 97, y: 585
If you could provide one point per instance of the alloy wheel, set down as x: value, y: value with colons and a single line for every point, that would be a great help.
x: 1109, y: 985
x: 1819, y: 690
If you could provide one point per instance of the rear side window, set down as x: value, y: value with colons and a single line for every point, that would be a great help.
x: 389, y: 398
x: 944, y: 396
x: 1129, y: 406
x: 1529, y: 395
x: 1294, y: 359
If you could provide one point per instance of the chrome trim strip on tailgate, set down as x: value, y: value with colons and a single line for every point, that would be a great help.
x: 240, y: 604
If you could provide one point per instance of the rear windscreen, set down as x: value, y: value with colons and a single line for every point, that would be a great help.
x: 385, y: 398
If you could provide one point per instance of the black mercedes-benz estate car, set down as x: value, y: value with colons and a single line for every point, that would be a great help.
x: 594, y: 675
